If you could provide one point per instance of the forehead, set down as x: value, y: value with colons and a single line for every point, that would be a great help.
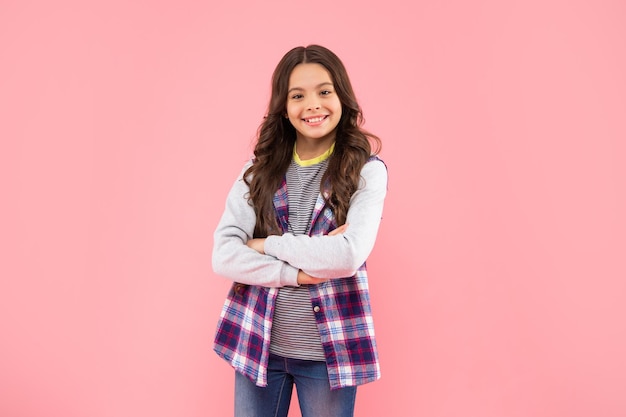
x: 309, y: 75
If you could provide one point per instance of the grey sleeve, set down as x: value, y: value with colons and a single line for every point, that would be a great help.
x: 341, y: 255
x: 231, y: 257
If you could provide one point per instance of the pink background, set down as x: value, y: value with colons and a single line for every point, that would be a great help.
x: 498, y: 280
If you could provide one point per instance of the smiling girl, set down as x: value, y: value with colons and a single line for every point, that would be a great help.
x: 299, y: 223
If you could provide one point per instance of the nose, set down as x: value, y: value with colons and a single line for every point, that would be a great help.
x: 313, y: 103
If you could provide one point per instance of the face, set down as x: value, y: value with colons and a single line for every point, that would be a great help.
x: 313, y: 107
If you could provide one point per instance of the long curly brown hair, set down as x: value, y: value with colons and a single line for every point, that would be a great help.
x: 276, y: 138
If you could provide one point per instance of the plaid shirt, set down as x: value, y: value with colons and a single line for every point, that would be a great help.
x: 341, y: 308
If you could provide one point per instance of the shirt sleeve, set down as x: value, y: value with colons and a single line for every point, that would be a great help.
x: 340, y: 255
x: 231, y: 257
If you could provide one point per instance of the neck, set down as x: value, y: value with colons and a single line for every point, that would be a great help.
x: 302, y: 161
x: 309, y: 149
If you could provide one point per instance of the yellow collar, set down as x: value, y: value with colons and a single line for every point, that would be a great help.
x: 313, y: 161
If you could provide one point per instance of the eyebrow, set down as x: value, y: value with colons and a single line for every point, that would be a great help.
x: 317, y: 86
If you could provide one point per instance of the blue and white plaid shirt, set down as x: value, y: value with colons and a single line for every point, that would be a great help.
x: 341, y: 308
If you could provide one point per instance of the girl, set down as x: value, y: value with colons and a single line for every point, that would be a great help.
x: 299, y: 223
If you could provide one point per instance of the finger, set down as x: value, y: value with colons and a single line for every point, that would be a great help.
x: 338, y: 230
x: 315, y: 281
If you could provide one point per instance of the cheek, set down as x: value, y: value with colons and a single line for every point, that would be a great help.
x: 292, y: 110
x: 338, y: 107
x: 339, y: 111
x: 292, y: 115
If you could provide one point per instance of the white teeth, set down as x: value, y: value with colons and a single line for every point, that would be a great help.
x: 315, y: 120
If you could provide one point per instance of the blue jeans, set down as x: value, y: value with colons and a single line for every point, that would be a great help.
x: 311, y: 380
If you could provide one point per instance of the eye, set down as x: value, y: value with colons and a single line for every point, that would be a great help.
x: 325, y: 92
x: 296, y: 96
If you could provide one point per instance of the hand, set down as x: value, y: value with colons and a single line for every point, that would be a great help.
x: 258, y: 244
x: 306, y: 279
x: 338, y: 230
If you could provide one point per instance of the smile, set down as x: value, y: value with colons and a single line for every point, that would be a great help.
x: 314, y: 120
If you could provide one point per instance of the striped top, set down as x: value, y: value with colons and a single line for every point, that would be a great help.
x: 294, y: 330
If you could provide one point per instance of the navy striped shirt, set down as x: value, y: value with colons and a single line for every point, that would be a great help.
x: 294, y: 330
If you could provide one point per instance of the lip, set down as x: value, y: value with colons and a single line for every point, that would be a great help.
x: 315, y: 120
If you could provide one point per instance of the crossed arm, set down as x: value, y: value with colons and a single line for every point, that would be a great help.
x: 258, y: 244
x: 291, y: 260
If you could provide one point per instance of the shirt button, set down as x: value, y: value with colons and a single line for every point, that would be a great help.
x: 316, y: 309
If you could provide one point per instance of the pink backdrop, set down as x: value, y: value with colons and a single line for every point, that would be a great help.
x: 498, y: 280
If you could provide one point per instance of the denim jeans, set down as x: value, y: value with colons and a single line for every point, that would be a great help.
x: 311, y: 380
